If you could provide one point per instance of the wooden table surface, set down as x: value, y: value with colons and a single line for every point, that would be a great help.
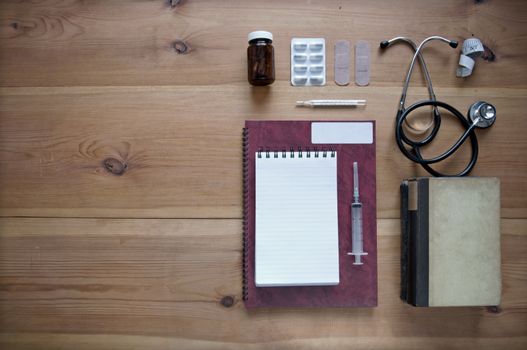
x: 120, y: 169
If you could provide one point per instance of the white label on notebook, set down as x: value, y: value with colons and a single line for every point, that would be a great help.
x: 296, y: 236
x: 342, y: 132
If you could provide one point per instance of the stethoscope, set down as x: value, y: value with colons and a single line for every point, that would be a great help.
x: 480, y: 115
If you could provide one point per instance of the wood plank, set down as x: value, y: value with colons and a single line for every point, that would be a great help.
x: 182, y: 147
x: 123, y: 127
x: 158, y: 283
x: 125, y: 342
x: 131, y: 43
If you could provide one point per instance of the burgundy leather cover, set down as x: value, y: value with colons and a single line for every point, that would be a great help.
x: 358, y: 283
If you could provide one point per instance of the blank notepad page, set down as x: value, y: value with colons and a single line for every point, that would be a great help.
x: 296, y: 240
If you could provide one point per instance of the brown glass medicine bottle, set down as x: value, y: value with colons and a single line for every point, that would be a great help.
x: 260, y: 58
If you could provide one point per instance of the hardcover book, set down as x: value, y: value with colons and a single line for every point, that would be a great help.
x: 450, y: 241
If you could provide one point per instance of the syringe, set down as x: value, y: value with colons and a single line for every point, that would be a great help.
x: 356, y: 220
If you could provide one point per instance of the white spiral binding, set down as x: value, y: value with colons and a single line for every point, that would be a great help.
x: 292, y: 153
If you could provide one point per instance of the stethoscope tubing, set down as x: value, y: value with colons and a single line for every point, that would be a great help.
x: 414, y: 154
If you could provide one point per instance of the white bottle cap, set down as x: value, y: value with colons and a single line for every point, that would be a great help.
x: 260, y: 34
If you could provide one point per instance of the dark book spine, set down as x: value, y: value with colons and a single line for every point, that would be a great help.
x: 412, y: 256
x: 421, y: 244
x: 404, y: 240
x: 245, y: 169
x: 414, y: 241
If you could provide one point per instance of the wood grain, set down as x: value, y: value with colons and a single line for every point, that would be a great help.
x: 160, y: 282
x: 182, y: 147
x: 126, y: 342
x: 67, y: 43
x: 120, y: 120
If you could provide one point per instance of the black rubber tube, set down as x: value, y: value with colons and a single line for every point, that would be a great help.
x: 414, y: 153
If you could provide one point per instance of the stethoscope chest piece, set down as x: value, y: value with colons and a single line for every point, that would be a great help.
x: 482, y: 114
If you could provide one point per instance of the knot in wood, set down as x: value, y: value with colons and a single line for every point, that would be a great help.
x: 227, y: 301
x: 494, y: 309
x: 115, y: 166
x: 488, y: 54
x: 174, y: 3
x: 181, y: 47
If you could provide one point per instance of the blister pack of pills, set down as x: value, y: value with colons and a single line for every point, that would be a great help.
x: 308, y: 61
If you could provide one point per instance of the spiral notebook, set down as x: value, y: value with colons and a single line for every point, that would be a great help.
x: 297, y: 216
x: 296, y: 238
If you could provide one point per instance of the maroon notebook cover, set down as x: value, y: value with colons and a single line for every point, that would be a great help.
x: 358, y: 283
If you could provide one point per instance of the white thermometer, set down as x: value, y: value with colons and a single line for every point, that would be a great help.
x: 331, y: 103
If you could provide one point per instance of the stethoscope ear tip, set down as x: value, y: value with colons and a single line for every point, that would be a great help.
x: 384, y: 44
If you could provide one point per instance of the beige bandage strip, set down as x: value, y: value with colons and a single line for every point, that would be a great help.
x: 362, y: 63
x: 342, y: 62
